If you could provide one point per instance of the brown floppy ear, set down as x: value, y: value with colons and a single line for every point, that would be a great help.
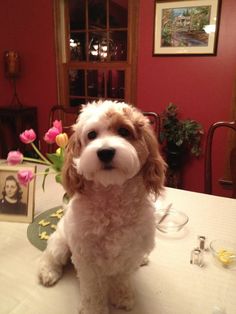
x: 155, y: 167
x: 71, y: 180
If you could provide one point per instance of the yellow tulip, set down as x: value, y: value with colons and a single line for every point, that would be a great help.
x: 62, y: 140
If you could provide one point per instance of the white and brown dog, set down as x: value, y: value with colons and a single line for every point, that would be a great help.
x: 112, y: 166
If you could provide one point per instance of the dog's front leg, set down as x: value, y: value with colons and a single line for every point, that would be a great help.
x: 121, y: 294
x: 93, y: 288
x: 54, y: 257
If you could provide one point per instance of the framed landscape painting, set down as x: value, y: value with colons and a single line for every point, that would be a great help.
x: 186, y: 27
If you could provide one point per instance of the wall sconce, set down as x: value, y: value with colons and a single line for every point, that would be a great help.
x: 12, y: 71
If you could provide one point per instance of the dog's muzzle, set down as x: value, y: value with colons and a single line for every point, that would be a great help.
x: 106, y: 154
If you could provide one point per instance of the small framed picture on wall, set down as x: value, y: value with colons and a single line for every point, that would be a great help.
x: 186, y: 27
x: 16, y: 200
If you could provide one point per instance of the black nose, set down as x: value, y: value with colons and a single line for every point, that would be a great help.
x: 106, y: 154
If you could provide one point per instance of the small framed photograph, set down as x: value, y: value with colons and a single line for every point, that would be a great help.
x: 186, y: 27
x: 16, y: 201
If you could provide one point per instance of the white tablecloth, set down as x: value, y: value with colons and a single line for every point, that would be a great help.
x: 168, y: 285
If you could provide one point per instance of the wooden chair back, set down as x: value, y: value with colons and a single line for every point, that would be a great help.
x: 155, y: 122
x: 68, y: 116
x: 208, y: 156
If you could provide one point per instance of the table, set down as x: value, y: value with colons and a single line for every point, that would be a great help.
x: 13, y: 121
x: 168, y: 285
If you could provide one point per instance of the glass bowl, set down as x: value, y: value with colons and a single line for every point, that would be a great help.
x: 170, y: 221
x: 224, y: 252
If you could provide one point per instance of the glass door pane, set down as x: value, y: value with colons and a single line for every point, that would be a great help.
x: 116, y: 84
x: 118, y: 13
x: 77, y: 46
x: 77, y: 14
x: 96, y: 83
x: 77, y: 82
x: 97, y: 14
x: 98, y: 46
x: 119, y: 42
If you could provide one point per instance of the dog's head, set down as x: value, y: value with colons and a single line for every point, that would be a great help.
x: 112, y: 142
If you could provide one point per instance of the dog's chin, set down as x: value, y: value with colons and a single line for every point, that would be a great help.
x: 110, y: 176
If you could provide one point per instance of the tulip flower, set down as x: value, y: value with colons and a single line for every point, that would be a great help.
x: 51, y: 134
x: 54, y: 161
x: 62, y: 140
x: 58, y: 125
x: 25, y: 176
x: 14, y: 157
x: 28, y: 136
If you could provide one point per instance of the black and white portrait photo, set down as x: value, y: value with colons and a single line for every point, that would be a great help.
x: 16, y: 200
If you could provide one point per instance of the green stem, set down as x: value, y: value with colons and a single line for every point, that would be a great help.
x: 43, y: 173
x: 41, y: 155
x: 62, y: 153
x: 38, y: 161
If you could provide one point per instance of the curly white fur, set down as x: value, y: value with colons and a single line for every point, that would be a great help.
x: 111, y: 167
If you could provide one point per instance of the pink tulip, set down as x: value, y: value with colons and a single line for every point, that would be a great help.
x: 28, y: 136
x: 51, y: 134
x: 14, y: 157
x: 57, y: 124
x: 25, y: 176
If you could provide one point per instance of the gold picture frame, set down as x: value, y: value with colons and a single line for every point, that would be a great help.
x: 186, y: 27
x: 16, y: 201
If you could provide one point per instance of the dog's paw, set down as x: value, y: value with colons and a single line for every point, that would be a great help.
x: 48, y: 276
x: 122, y: 297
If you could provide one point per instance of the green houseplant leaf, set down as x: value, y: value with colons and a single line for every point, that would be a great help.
x: 176, y: 132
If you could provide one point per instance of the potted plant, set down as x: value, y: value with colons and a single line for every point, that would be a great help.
x: 180, y: 139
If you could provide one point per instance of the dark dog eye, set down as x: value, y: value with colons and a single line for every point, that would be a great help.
x: 123, y: 132
x: 92, y: 135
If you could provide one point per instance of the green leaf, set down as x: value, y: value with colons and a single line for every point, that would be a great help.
x: 58, y: 178
x: 57, y: 161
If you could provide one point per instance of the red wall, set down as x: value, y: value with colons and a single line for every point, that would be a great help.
x: 200, y: 86
x: 27, y: 27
